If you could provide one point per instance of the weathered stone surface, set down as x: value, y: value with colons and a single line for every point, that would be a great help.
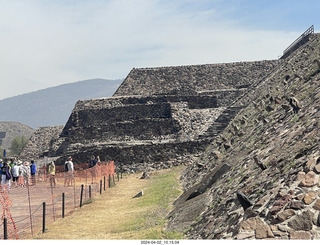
x: 301, y: 176
x: 300, y: 235
x: 300, y: 196
x: 261, y: 202
x: 309, y: 197
x: 311, y: 163
x: 146, y: 81
x: 284, y: 228
x: 280, y: 203
x: 302, y: 222
x: 245, y: 235
x: 248, y: 224
x: 145, y: 175
x: 41, y: 141
x: 311, y: 179
x: 244, y: 201
x: 255, y: 224
x: 317, y: 168
x: 263, y: 230
x: 316, y: 205
x: 286, y: 214
x: 296, y: 205
x: 216, y: 154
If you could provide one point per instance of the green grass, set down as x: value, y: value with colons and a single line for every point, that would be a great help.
x: 163, y: 189
x: 117, y: 215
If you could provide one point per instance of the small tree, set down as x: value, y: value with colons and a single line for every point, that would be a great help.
x: 17, y: 145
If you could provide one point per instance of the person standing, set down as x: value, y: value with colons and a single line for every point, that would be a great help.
x: 52, y: 173
x: 15, y: 173
x: 93, y: 162
x: 6, y: 176
x: 26, y: 173
x: 69, y: 174
x: 33, y: 171
x: 20, y: 178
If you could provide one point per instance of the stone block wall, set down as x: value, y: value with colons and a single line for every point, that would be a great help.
x: 40, y: 142
x: 159, y: 111
x: 183, y: 79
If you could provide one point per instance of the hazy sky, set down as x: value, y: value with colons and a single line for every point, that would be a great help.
x: 46, y: 43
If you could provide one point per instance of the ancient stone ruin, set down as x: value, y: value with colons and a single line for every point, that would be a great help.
x: 159, y: 114
x: 265, y: 184
x: 254, y: 129
x: 40, y: 142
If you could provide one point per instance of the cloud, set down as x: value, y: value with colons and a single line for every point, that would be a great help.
x: 48, y: 43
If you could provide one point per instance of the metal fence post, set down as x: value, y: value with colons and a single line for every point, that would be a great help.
x: 89, y: 191
x: 63, y: 203
x: 109, y: 181
x: 81, y: 196
x: 29, y: 200
x: 104, y: 183
x: 44, y: 217
x: 100, y: 187
x: 5, y: 229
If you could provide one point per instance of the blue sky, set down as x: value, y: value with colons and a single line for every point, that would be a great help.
x: 46, y: 43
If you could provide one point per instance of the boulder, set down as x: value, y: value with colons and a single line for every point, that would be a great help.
x: 309, y: 197
x: 263, y: 230
x: 302, y: 222
x: 286, y: 214
x: 145, y: 175
x: 316, y: 205
x: 310, y: 179
x: 140, y: 194
x: 300, y: 235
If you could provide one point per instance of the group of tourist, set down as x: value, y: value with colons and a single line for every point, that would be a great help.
x: 18, y: 172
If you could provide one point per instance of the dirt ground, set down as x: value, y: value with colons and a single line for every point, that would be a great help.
x: 26, y: 205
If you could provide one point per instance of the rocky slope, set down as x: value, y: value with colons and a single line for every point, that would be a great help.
x: 11, y: 130
x: 260, y: 178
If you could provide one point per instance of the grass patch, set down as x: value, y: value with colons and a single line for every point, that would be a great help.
x: 159, y: 195
x: 117, y: 215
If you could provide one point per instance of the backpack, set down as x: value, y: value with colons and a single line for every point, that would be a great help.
x: 66, y: 166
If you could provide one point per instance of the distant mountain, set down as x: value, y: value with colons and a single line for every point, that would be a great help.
x: 53, y: 106
x: 10, y: 130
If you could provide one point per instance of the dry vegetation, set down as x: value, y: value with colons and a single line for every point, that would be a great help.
x: 117, y: 215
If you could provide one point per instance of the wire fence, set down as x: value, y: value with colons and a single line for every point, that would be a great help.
x: 26, y: 210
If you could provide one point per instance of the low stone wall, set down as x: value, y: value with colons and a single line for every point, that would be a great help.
x: 134, y: 154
